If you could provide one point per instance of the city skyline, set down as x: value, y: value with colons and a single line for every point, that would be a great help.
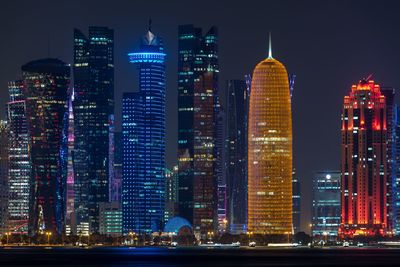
x: 317, y: 84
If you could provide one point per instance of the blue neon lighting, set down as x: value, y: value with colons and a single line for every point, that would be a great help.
x: 147, y: 57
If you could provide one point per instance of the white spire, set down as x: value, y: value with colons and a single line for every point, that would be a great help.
x: 270, y: 46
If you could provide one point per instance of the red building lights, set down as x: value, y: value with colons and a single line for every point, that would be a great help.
x: 364, y: 165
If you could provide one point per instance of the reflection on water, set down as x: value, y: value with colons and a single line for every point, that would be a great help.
x: 196, y: 257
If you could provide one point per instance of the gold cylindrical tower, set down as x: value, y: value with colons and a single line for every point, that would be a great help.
x: 270, y: 150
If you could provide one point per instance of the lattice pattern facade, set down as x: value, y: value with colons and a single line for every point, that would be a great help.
x: 270, y: 150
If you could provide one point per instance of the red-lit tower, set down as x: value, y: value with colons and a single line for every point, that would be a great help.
x: 364, y: 166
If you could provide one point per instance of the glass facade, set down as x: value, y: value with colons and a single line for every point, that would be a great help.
x: 237, y: 103
x: 396, y: 172
x: 110, y: 217
x: 70, y: 220
x: 116, y: 185
x: 46, y: 82
x: 204, y: 178
x: 326, y: 205
x: 296, y: 196
x: 4, y: 162
x: 93, y: 115
x: 143, y: 130
x: 364, y: 161
x: 389, y: 94
x: 198, y: 112
x: 171, y: 193
x: 19, y: 162
x: 220, y: 167
x: 270, y: 150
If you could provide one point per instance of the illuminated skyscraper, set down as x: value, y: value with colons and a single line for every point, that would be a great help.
x: 171, y: 193
x: 4, y: 185
x: 396, y: 172
x: 198, y: 110
x: 110, y: 218
x: 364, y: 161
x: 93, y: 115
x: 326, y: 205
x: 296, y: 196
x: 205, y: 180
x: 220, y: 167
x: 389, y: 94
x: 70, y: 220
x: 46, y: 82
x: 143, y: 130
x: 116, y: 184
x: 236, y: 154
x: 19, y: 164
x: 270, y: 150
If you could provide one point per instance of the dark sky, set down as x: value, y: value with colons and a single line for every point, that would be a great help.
x: 329, y: 45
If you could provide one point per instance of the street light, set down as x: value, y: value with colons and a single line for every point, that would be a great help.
x: 7, y: 234
x: 249, y: 233
x: 210, y: 233
x: 48, y: 237
x: 225, y: 221
x: 132, y: 234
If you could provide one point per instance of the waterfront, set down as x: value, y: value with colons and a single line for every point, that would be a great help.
x: 174, y: 257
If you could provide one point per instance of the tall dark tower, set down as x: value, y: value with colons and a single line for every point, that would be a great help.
x: 396, y: 172
x: 364, y: 162
x: 198, y: 109
x: 389, y: 93
x: 46, y: 82
x: 93, y: 115
x: 237, y: 103
x: 4, y: 177
x: 143, y: 131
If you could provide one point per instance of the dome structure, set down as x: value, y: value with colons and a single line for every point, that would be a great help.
x: 176, y: 224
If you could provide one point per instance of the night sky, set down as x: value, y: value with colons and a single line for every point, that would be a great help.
x: 329, y: 45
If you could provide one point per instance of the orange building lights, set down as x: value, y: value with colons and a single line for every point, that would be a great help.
x: 270, y: 150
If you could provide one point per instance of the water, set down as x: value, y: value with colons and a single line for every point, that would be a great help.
x: 178, y: 257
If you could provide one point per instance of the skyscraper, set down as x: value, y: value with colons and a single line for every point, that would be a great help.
x: 396, y: 172
x: 4, y: 185
x: 270, y: 150
x: 237, y: 103
x: 364, y: 161
x: 116, y: 185
x: 198, y: 109
x: 296, y: 196
x: 389, y: 94
x: 326, y: 205
x: 19, y: 160
x: 46, y: 82
x: 220, y: 167
x: 70, y: 219
x: 171, y: 193
x: 93, y: 115
x: 143, y: 130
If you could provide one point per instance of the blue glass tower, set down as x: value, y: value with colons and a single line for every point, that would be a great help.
x: 143, y: 133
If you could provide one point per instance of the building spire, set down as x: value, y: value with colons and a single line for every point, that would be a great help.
x: 270, y: 46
